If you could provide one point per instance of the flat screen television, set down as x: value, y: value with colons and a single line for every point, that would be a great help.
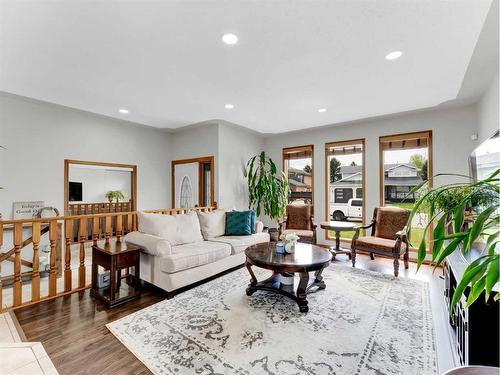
x: 485, y: 159
x: 75, y: 191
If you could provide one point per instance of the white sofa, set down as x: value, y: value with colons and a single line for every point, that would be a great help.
x: 180, y: 250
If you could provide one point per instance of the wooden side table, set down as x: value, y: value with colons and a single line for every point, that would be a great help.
x: 337, y: 227
x: 114, y: 257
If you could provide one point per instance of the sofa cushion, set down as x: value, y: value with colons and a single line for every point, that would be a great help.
x: 193, y: 255
x: 177, y: 229
x: 149, y: 243
x: 376, y: 243
x: 389, y: 221
x: 212, y: 224
x: 240, y: 243
x: 299, y: 232
x: 238, y: 223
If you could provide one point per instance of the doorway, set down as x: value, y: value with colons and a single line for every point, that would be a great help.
x: 193, y: 182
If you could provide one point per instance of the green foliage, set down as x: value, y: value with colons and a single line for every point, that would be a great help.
x: 114, y: 194
x: 307, y: 169
x: 335, y: 171
x: 267, y: 188
x: 448, y: 206
x: 417, y: 160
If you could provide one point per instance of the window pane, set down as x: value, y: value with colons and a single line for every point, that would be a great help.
x: 406, y: 165
x: 298, y: 166
x: 344, y: 181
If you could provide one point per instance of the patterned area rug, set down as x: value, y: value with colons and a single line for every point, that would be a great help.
x: 362, y: 323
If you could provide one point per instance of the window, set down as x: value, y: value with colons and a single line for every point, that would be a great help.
x: 342, y: 195
x: 344, y: 182
x: 359, y: 193
x: 405, y: 162
x: 298, y: 167
x: 357, y: 203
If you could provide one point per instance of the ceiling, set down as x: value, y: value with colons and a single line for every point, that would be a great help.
x: 165, y: 62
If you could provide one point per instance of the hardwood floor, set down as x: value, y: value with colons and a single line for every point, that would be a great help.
x: 73, y: 332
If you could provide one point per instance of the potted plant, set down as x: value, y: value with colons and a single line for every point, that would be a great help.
x: 267, y: 189
x: 114, y: 194
x: 448, y: 206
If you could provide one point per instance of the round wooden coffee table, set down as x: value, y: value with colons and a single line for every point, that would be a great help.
x: 306, y: 258
x: 337, y: 227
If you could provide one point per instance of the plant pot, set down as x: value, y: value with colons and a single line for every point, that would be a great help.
x: 274, y: 234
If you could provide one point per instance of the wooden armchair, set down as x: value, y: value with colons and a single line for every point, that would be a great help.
x: 388, y: 236
x: 300, y: 220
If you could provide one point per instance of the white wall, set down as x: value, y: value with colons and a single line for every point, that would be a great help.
x: 452, y: 144
x: 488, y: 118
x: 39, y: 136
x: 236, y: 146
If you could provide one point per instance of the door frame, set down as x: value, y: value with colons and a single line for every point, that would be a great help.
x: 201, y: 160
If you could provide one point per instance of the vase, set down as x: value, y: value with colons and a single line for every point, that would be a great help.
x: 290, y: 247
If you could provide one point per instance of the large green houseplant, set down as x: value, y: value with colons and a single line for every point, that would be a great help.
x: 268, y: 189
x: 448, y: 206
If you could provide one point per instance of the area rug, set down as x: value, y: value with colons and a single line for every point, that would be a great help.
x: 362, y: 323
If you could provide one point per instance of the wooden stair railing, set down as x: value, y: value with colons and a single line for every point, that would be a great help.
x: 77, y: 231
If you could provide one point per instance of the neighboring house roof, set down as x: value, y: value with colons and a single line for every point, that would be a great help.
x: 293, y: 182
x: 298, y: 171
x: 390, y: 167
x: 351, y: 178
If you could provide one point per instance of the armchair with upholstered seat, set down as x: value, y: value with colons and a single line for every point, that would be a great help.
x: 388, y: 236
x: 300, y: 219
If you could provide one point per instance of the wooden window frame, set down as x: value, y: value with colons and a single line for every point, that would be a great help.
x: 328, y: 145
x: 400, y: 137
x: 201, y: 160
x: 310, y: 147
x: 133, y: 182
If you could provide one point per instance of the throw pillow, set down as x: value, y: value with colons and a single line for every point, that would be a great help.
x: 213, y: 224
x: 177, y: 229
x: 238, y: 223
x: 253, y: 220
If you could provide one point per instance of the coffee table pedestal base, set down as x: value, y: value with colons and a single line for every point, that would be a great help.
x: 298, y: 294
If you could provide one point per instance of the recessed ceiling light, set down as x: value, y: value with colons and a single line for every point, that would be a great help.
x: 229, y: 106
x: 123, y: 110
x: 393, y: 55
x: 230, y: 39
x: 322, y: 110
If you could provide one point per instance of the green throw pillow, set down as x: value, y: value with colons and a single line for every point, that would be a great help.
x: 238, y: 223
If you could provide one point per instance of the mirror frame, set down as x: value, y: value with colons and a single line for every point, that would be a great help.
x: 68, y: 162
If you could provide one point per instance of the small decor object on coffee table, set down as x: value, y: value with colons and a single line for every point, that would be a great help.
x: 306, y: 258
x: 337, y: 227
x: 289, y: 240
x: 115, y: 256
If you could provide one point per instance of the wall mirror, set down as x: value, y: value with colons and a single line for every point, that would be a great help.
x: 193, y: 182
x: 98, y: 187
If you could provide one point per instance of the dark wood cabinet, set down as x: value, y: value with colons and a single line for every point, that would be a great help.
x: 475, y: 329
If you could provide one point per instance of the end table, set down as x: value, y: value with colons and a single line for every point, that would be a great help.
x: 115, y: 256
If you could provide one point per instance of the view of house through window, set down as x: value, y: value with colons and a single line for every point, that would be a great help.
x: 405, y: 163
x: 298, y: 167
x: 345, y: 182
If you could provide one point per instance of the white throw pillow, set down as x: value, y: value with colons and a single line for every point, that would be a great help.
x: 151, y: 244
x: 213, y: 224
x: 177, y: 229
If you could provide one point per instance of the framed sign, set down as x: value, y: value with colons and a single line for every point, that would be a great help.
x: 27, y: 210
